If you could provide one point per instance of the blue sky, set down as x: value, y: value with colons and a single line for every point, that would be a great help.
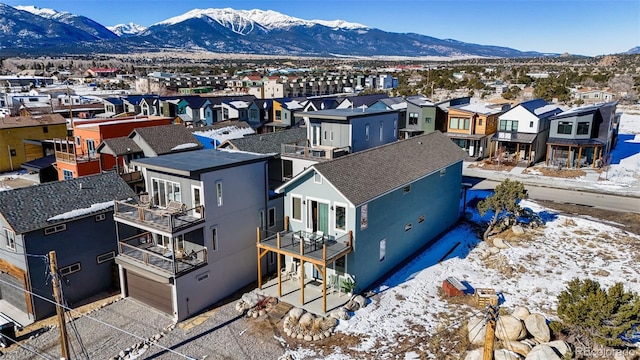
x: 587, y: 27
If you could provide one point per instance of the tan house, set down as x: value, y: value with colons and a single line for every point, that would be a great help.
x: 471, y: 126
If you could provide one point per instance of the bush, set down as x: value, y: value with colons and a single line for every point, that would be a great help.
x: 604, y: 316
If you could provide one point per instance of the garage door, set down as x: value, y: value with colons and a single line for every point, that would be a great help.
x: 14, y: 295
x: 150, y: 292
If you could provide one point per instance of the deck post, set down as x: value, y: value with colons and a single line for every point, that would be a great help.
x: 546, y: 161
x: 286, y: 223
x: 324, y: 278
x: 258, y: 249
x: 595, y: 156
x: 279, y: 266
x: 569, y: 156
x: 301, y: 273
x: 579, y: 154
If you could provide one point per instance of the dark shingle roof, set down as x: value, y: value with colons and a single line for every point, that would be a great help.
x: 121, y: 145
x: 27, y: 209
x: 27, y: 121
x: 367, y: 100
x: 162, y: 139
x: 268, y: 143
x: 367, y: 174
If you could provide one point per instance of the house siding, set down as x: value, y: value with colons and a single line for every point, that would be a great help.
x: 574, y: 120
x: 13, y: 137
x: 358, y: 136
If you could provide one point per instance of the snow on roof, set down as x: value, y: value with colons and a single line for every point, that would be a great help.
x: 112, y: 122
x: 229, y: 150
x: 421, y: 101
x: 184, y: 146
x: 479, y: 108
x: 239, y: 104
x: 293, y: 105
x: 80, y: 212
x: 402, y: 105
x: 545, y: 109
x: 225, y: 133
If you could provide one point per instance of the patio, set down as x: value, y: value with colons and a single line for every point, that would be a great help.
x: 313, y: 302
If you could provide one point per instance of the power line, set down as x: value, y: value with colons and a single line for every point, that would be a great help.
x: 100, y: 321
x: 26, y: 347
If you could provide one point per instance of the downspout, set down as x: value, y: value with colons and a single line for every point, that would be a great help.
x: 10, y: 160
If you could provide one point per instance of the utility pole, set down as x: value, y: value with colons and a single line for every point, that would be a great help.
x: 492, y: 316
x: 64, y: 342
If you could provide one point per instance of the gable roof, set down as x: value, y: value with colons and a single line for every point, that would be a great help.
x: 27, y: 121
x: 119, y: 146
x: 268, y: 143
x: 367, y: 174
x: 367, y: 100
x: 540, y: 108
x: 27, y: 209
x: 165, y: 138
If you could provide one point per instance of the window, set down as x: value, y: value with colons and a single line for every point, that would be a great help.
x: 331, y: 135
x: 78, y: 140
x: 383, y: 249
x: 219, y: 193
x: 272, y: 217
x: 340, y: 265
x: 12, y: 152
x: 197, y: 201
x: 103, y: 258
x: 296, y: 208
x: 341, y: 217
x: 253, y: 114
x: 406, y: 189
x: 408, y: 227
x: 225, y: 113
x: 67, y: 174
x: 287, y: 169
x: 583, y: 128
x: 55, y: 229
x: 395, y: 128
x: 203, y: 276
x: 278, y: 115
x: 565, y: 127
x: 100, y: 217
x: 459, y: 123
x: 214, y: 238
x: 45, y: 129
x: 421, y: 219
x: 272, y: 257
x: 73, y: 268
x: 479, y: 121
x: 443, y: 172
x: 508, y: 125
x: 530, y: 124
x: 413, y: 118
x: 10, y: 239
x: 381, y: 130
x: 317, y: 178
x: 366, y: 132
x: 164, y: 191
x: 325, y: 135
x: 261, y: 220
x: 428, y: 120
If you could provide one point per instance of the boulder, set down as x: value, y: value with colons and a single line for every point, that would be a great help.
x: 542, y: 352
x: 476, y: 330
x: 340, y: 314
x: 251, y: 299
x: 536, y: 325
x: 517, y: 229
x: 521, y: 312
x: 360, y: 300
x: 296, y: 313
x: 306, y: 320
x: 559, y: 346
x: 510, y: 328
x: 474, y: 355
x: 502, y: 354
x: 493, y: 250
x: 499, y: 243
x: 518, y: 347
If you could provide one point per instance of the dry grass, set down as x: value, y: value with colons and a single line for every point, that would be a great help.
x: 488, y: 165
x: 554, y: 172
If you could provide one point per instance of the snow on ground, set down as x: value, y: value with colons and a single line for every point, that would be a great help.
x: 629, y: 121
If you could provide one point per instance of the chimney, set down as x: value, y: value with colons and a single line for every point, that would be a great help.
x: 80, y: 185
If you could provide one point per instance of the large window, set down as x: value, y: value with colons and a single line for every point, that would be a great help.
x: 565, y: 127
x: 10, y: 239
x: 413, y: 118
x: 460, y: 123
x: 164, y: 191
x: 296, y: 208
x: 508, y: 125
x: 583, y: 128
x: 341, y: 215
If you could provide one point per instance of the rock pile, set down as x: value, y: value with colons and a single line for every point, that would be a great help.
x: 302, y: 325
x: 522, y: 335
x: 135, y: 351
x: 255, y: 304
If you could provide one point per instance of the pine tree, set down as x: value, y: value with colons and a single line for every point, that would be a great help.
x: 505, y: 200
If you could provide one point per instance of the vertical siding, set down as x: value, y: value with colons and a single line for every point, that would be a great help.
x: 358, y: 125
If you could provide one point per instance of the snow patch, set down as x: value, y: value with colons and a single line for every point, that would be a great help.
x: 80, y: 212
x: 184, y: 146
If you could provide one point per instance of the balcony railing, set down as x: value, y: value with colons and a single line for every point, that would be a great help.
x: 303, y: 243
x: 132, y: 176
x: 162, y: 219
x: 142, y: 249
x: 76, y: 158
x: 317, y: 152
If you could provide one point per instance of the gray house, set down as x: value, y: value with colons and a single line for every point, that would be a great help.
x: 74, y: 218
x: 582, y: 136
x: 191, y: 241
x: 359, y: 216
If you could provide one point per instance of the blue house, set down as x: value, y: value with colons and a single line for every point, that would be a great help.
x: 359, y: 216
x: 74, y: 218
x: 259, y: 113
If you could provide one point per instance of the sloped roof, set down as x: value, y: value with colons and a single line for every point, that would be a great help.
x: 367, y: 100
x: 27, y: 209
x: 367, y: 174
x: 534, y: 106
x: 268, y: 143
x: 120, y: 146
x: 27, y: 121
x: 420, y: 100
x: 163, y: 139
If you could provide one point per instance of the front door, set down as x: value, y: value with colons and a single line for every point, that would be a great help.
x: 319, y: 217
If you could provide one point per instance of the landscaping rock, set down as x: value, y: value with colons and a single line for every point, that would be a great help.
x: 542, y: 352
x: 517, y: 229
x: 296, y: 313
x: 502, y: 354
x: 520, y: 313
x: 499, y: 243
x: 493, y: 250
x: 536, y: 325
x: 559, y: 346
x: 327, y: 334
x: 360, y: 300
x: 476, y: 330
x: 306, y: 320
x: 474, y: 355
x: 251, y: 299
x: 340, y: 314
x: 308, y: 338
x: 510, y: 328
x: 518, y: 347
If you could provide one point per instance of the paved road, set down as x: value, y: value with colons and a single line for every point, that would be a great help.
x: 574, y: 196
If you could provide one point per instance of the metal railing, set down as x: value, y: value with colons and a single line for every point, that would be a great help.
x: 157, y: 217
x: 75, y: 158
x: 314, y: 152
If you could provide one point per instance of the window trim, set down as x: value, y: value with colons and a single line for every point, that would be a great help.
x: 293, y: 218
x: 269, y: 224
x: 7, y: 244
x: 336, y: 205
x: 100, y: 217
x: 215, y: 245
x: 55, y: 229
x: 219, y: 193
x: 317, y: 178
x: 69, y: 269
x: 100, y: 258
x: 193, y: 199
x: 67, y: 174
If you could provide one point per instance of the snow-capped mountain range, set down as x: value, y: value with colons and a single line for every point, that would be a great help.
x: 28, y: 29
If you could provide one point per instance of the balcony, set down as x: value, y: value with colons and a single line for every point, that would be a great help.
x: 73, y: 158
x: 131, y: 177
x: 317, y: 152
x: 141, y: 250
x: 164, y: 220
x: 298, y: 244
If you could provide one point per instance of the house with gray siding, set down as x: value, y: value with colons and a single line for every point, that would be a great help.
x: 191, y: 241
x: 359, y: 216
x: 74, y: 218
x: 583, y: 136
